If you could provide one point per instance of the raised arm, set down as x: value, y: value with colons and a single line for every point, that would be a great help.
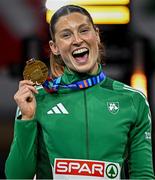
x: 21, y: 162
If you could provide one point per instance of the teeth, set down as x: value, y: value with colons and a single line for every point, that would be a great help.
x: 80, y: 51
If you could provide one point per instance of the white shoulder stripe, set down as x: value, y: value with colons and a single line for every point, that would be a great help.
x: 134, y: 90
x: 18, y: 112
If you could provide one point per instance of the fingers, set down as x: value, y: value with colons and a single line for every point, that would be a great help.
x: 22, y: 97
x: 25, y: 99
x: 26, y: 82
x: 27, y: 85
x: 28, y: 88
x: 25, y: 91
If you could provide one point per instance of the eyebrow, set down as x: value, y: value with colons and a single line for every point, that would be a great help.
x: 81, y: 25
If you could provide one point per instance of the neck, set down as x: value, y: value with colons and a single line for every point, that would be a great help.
x: 92, y: 71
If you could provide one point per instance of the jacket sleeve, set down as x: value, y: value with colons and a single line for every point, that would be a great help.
x: 21, y: 162
x: 140, y: 147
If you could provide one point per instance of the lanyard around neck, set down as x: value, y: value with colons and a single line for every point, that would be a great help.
x: 53, y: 85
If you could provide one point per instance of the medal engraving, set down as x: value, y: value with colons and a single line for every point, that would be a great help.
x: 36, y: 71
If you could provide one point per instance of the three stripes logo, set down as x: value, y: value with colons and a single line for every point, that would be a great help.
x: 58, y: 109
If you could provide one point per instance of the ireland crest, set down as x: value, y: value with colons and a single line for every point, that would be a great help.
x: 113, y: 107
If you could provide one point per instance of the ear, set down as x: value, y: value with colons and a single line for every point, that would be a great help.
x: 54, y: 48
x: 97, y: 34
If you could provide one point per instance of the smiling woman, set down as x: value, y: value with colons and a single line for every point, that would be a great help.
x: 77, y: 42
x: 80, y: 124
x: 77, y: 39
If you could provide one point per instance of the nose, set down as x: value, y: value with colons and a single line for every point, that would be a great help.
x: 77, y: 40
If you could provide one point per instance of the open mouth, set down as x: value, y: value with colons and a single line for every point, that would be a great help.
x: 81, y: 55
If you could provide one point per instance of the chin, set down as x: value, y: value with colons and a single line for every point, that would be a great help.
x: 83, y: 70
x: 89, y: 69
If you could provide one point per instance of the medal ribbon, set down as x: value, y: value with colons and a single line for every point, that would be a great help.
x: 53, y: 85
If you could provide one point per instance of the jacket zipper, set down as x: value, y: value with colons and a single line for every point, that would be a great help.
x: 87, y: 128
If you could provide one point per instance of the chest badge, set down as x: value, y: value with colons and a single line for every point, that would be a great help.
x: 113, y: 107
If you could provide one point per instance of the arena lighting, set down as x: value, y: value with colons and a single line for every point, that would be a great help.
x: 103, y: 14
x: 100, y: 2
x: 55, y: 3
x: 139, y: 82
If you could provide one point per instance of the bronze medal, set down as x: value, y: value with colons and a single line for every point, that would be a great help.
x: 36, y: 71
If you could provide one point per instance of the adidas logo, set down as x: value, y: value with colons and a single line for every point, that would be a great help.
x: 58, y: 109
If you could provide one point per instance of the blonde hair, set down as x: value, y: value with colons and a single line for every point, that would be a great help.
x: 57, y: 69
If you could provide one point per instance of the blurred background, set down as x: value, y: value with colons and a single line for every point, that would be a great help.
x: 127, y: 29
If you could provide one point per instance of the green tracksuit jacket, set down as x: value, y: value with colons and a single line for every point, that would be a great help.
x: 84, y: 133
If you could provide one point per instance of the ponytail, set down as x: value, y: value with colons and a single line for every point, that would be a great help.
x: 57, y: 68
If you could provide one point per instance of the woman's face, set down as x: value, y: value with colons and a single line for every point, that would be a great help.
x: 77, y: 43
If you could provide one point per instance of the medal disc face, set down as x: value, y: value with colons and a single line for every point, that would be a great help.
x: 36, y: 71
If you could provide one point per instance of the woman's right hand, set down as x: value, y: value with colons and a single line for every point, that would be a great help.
x: 25, y: 99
